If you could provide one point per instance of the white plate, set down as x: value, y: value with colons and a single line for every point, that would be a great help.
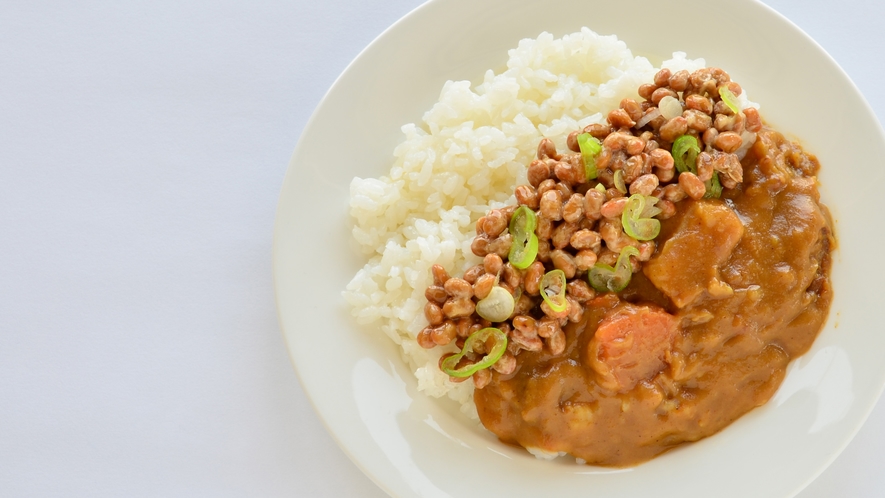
x: 415, y: 446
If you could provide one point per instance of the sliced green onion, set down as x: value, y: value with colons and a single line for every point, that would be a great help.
x: 525, y: 242
x: 553, y: 286
x: 685, y: 153
x: 497, y: 306
x: 650, y: 210
x: 590, y: 148
x: 714, y: 188
x: 730, y: 99
x: 604, y: 278
x: 523, y: 221
x: 449, y: 365
x: 522, y: 256
x: 619, y: 181
x: 600, y: 187
x: 637, y: 226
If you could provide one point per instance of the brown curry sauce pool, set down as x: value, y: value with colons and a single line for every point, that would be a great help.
x: 769, y: 240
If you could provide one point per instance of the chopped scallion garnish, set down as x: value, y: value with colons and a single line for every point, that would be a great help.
x: 497, y: 306
x: 714, y: 188
x: 450, y: 364
x: 730, y: 99
x: 553, y: 287
x: 651, y: 210
x: 637, y: 217
x: 525, y: 242
x: 685, y: 153
x: 590, y: 148
x: 604, y: 278
x: 619, y: 181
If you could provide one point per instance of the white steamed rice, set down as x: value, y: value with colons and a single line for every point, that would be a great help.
x: 465, y: 157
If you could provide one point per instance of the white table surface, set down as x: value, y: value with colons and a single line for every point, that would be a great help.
x: 142, y: 148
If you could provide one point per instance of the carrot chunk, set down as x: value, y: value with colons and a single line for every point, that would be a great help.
x: 631, y: 344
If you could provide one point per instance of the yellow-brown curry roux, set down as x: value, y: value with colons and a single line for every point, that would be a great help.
x: 736, y: 335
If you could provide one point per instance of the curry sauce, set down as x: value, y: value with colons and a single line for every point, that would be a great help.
x: 736, y: 288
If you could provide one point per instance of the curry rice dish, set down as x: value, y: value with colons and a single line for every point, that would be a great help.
x: 662, y: 258
x: 651, y: 284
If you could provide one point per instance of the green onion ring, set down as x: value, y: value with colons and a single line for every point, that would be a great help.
x: 650, y: 210
x: 449, y: 365
x: 604, y: 278
x: 555, y: 299
x: 590, y: 148
x: 619, y: 181
x: 714, y: 188
x: 497, y: 306
x: 524, y: 248
x: 636, y: 226
x: 730, y: 99
x: 685, y: 153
